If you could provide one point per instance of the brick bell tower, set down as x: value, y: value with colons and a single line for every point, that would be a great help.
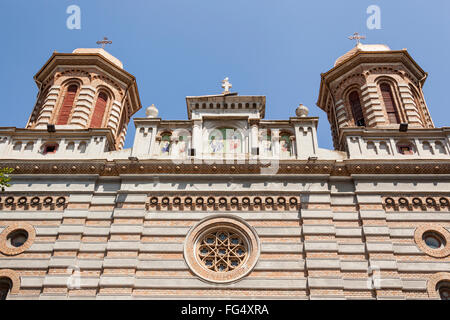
x: 85, y: 89
x: 373, y: 87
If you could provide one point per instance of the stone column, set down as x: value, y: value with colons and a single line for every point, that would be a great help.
x: 83, y: 107
x: 293, y: 146
x: 411, y: 110
x: 254, y: 137
x: 114, y: 117
x: 276, y: 143
x: 48, y: 107
x: 197, y: 137
x: 341, y: 114
x: 371, y: 104
x: 393, y: 147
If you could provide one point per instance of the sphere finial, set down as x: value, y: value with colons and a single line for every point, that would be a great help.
x: 302, y: 111
x: 151, y: 112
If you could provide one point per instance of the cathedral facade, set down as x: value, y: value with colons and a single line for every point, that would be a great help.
x: 227, y: 204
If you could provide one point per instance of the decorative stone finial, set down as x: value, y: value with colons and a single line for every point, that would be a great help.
x: 226, y: 85
x: 151, y: 111
x: 302, y: 111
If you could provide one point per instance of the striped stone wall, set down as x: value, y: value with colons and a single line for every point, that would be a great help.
x: 107, y: 242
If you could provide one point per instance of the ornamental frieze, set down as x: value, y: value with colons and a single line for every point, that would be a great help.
x: 416, y: 203
x: 32, y: 202
x: 113, y: 168
x: 223, y: 203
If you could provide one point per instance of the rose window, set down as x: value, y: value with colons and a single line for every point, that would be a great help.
x: 222, y: 250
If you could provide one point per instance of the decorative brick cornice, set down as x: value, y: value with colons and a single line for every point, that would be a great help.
x: 281, y: 167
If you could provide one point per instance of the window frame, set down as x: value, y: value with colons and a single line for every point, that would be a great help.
x: 395, y: 101
x: 353, y: 109
x: 105, y: 111
x: 57, y: 116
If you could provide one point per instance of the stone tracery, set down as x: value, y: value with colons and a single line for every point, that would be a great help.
x: 222, y: 250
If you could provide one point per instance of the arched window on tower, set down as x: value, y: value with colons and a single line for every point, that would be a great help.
x: 5, y: 288
x: 355, y: 104
x: 67, y: 105
x: 99, y: 110
x: 389, y: 103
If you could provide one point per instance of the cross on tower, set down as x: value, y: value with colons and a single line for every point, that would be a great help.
x: 104, y: 42
x: 356, y: 36
x: 226, y: 85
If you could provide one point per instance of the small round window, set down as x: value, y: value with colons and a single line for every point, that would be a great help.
x: 433, y: 240
x: 17, y: 238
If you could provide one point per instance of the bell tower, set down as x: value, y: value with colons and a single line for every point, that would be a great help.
x: 85, y: 89
x: 372, y: 86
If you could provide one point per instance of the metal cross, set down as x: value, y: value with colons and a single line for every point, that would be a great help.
x: 104, y: 42
x: 356, y: 36
x: 226, y: 85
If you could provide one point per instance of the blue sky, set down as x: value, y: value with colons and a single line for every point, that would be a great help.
x: 180, y: 48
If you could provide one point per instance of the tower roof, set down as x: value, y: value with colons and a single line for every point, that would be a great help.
x: 361, y: 47
x: 102, y: 52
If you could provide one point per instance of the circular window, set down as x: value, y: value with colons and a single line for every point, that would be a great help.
x: 433, y: 240
x: 221, y: 249
x: 17, y: 238
x: 444, y: 290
